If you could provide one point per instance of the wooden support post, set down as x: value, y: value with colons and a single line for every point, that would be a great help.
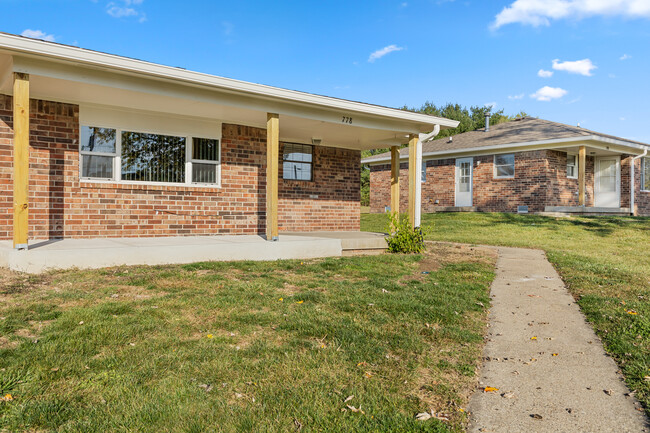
x: 414, y: 176
x: 582, y: 165
x: 21, y: 159
x: 394, y: 179
x: 272, y: 161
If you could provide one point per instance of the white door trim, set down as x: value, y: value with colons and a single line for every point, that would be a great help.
x: 597, y: 194
x: 471, y: 181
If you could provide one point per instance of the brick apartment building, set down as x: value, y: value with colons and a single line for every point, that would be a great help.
x: 94, y: 145
x: 526, y: 165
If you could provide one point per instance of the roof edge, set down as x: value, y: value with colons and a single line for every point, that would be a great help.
x: 525, y: 144
x: 67, y: 53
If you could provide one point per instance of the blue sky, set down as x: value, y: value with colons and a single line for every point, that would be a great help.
x: 572, y: 61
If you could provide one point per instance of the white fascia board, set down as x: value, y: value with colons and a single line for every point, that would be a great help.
x: 112, y: 62
x: 621, y: 146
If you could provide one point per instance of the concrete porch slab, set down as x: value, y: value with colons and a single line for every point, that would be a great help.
x: 351, y: 240
x: 100, y: 253
x: 584, y: 210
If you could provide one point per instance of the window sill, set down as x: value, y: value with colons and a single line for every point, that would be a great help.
x: 503, y: 177
x: 155, y: 186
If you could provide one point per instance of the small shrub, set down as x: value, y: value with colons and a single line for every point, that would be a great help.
x: 403, y: 238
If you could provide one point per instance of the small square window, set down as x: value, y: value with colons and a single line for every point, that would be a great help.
x: 297, y: 161
x: 424, y: 172
x: 504, y: 166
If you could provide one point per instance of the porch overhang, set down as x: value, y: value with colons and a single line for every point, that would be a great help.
x: 74, y: 75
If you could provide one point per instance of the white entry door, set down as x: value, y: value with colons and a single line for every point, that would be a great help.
x: 608, y: 181
x: 464, y: 177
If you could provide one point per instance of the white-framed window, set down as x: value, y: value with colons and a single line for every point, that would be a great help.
x: 297, y: 161
x: 645, y: 174
x: 424, y: 172
x: 571, y: 166
x: 504, y: 166
x: 130, y: 156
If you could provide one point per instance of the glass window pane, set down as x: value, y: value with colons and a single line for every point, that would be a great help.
x: 646, y: 174
x: 204, y: 173
x: 153, y: 157
x: 505, y: 171
x: 97, y: 139
x: 97, y: 167
x: 297, y: 152
x: 205, y: 149
x: 504, y: 159
x: 424, y: 172
x: 296, y: 171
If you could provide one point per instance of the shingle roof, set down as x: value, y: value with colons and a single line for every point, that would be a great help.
x: 523, y: 130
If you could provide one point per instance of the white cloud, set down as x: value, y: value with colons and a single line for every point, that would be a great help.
x: 516, y: 97
x: 125, y: 9
x: 622, y: 119
x: 37, y: 34
x: 581, y: 67
x: 491, y: 105
x: 541, y: 12
x: 547, y: 93
x: 625, y: 57
x: 382, y: 52
x: 544, y: 74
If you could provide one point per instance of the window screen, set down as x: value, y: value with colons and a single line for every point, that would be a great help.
x: 297, y: 162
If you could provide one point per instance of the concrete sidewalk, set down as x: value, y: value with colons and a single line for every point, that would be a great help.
x: 549, y: 366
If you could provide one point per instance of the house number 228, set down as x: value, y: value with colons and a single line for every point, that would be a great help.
x: 347, y: 120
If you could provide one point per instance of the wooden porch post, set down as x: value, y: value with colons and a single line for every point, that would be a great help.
x: 394, y: 179
x: 582, y: 163
x: 414, y: 176
x: 21, y: 159
x: 272, y: 161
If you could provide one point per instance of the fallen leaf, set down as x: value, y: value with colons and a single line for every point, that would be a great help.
x: 535, y: 416
x: 424, y: 416
x: 533, y: 338
x: 281, y: 299
x: 490, y: 389
x: 54, y: 369
x: 508, y: 395
x: 348, y: 399
x: 298, y: 424
x: 206, y: 387
x: 554, y: 354
x: 81, y: 323
x: 210, y: 336
x: 300, y: 302
x: 368, y: 374
x: 354, y: 409
x: 634, y: 313
x: 7, y: 397
x: 608, y: 391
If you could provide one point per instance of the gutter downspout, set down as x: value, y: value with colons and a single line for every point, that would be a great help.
x: 423, y: 138
x: 632, y: 183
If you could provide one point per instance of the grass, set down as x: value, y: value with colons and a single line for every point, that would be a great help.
x: 245, y: 346
x: 603, y: 260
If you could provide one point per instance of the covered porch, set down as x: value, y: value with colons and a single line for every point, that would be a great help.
x: 60, y: 216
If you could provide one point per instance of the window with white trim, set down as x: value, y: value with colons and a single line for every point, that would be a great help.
x: 297, y: 160
x: 504, y: 166
x: 645, y: 174
x: 424, y: 172
x: 130, y: 156
x: 98, y: 149
x: 571, y: 166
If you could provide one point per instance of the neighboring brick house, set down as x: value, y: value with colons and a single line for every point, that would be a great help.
x: 94, y: 145
x: 528, y: 165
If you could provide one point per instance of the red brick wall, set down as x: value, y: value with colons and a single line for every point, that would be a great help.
x: 330, y: 201
x: 562, y: 190
x: 641, y: 198
x: 540, y: 180
x: 62, y: 206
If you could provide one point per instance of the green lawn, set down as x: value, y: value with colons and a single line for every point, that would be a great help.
x: 603, y: 260
x: 225, y: 347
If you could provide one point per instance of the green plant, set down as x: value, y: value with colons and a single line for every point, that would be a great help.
x: 403, y: 237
